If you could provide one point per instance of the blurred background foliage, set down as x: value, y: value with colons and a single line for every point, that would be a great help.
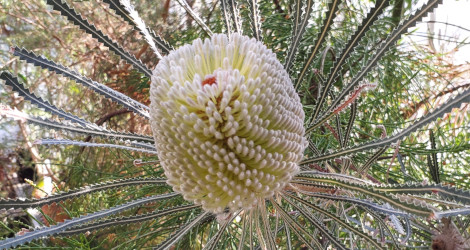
x: 417, y: 75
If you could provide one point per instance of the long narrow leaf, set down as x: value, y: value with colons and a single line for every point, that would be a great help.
x: 339, y: 130
x: 212, y: 243
x: 384, y: 47
x: 325, y: 28
x: 447, y: 192
x: 140, y: 24
x: 227, y: 16
x: 108, y: 223
x: 233, y: 5
x: 121, y: 10
x: 266, y: 226
x: 39, y: 102
x: 352, y: 118
x: 91, y: 144
x: 75, y: 193
x: 404, y: 203
x: 49, y: 124
x: 359, y: 202
x: 432, y: 160
x: 60, y: 227
x: 243, y: 232
x: 367, y: 22
x: 318, y: 225
x: 99, y: 88
x: 384, y: 226
x: 365, y: 168
x: 77, y: 19
x: 196, y: 18
x: 296, y: 227
x: 255, y: 19
x: 339, y: 220
x: 300, y: 22
x: 463, y: 97
x: 182, y: 231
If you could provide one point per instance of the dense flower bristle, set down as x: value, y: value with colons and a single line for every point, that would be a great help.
x: 227, y: 122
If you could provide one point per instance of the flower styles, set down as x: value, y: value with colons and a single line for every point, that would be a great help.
x: 227, y: 122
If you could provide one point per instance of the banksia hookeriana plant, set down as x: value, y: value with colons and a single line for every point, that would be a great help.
x: 294, y: 130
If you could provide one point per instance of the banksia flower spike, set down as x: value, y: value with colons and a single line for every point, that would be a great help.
x: 227, y: 122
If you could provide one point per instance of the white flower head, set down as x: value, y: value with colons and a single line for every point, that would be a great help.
x: 227, y: 122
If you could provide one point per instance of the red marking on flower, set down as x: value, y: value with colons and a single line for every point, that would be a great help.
x: 210, y: 80
x: 435, y: 191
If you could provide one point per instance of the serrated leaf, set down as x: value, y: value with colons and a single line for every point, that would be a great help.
x: 124, y: 9
x: 455, y: 102
x: 296, y: 227
x: 99, y: 88
x: 60, y: 227
x: 92, y: 144
x: 39, y: 102
x: 233, y: 6
x: 403, y: 203
x: 300, y: 22
x: 74, y: 193
x: 365, y: 167
x: 447, y: 192
x: 365, y: 26
x: 325, y: 28
x: 168, y: 242
x: 318, y: 225
x: 212, y: 243
x: 383, y: 48
x: 337, y: 219
x: 255, y: 19
x: 113, y: 222
x: 49, y: 124
x: 352, y: 118
x: 227, y: 16
x: 196, y: 18
x: 77, y: 19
